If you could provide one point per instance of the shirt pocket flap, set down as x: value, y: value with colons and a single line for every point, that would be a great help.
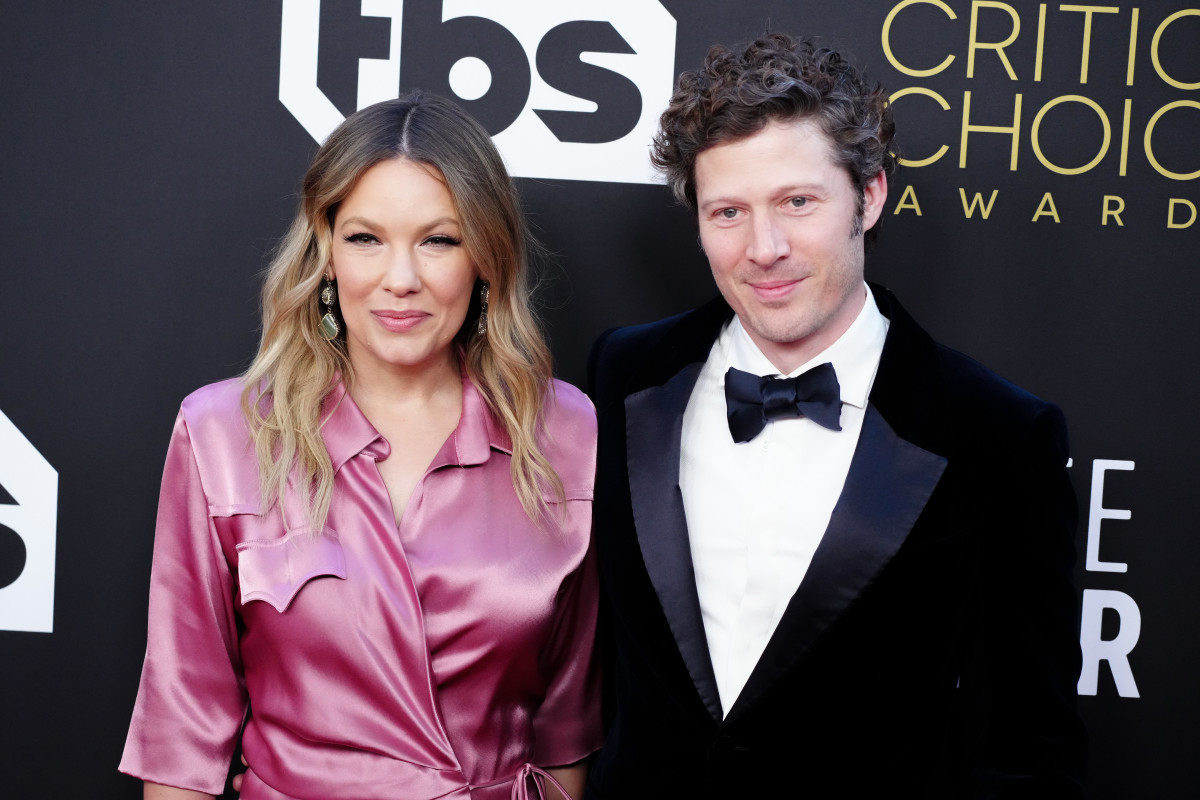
x: 274, y: 570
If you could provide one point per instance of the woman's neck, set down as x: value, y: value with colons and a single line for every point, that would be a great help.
x: 387, y: 394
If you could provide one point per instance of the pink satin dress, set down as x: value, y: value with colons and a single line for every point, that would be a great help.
x: 435, y: 659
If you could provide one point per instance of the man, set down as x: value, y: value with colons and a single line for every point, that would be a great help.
x: 856, y: 584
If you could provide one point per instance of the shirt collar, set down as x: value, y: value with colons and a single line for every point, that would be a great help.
x: 855, y: 354
x: 476, y: 435
x: 347, y: 431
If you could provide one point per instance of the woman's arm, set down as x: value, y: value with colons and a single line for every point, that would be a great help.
x: 572, y: 778
x: 191, y: 698
x: 156, y: 791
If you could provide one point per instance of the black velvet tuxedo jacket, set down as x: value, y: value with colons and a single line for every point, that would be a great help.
x: 931, y: 650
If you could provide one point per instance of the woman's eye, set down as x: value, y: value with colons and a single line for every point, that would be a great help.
x: 361, y: 238
x: 442, y: 240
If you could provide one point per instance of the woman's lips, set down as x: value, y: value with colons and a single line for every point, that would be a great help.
x: 400, y: 321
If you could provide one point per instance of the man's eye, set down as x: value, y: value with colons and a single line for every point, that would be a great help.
x: 798, y: 202
x: 728, y: 213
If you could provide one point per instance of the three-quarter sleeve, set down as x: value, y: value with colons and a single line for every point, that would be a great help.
x: 567, y: 725
x: 192, y: 699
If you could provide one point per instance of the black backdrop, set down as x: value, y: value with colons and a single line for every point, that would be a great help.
x: 148, y: 166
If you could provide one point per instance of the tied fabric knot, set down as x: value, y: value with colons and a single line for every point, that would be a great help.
x: 752, y: 401
x: 520, y: 785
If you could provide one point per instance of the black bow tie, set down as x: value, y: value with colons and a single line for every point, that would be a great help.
x: 753, y: 401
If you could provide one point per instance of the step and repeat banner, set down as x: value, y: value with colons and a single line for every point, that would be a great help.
x: 1045, y: 220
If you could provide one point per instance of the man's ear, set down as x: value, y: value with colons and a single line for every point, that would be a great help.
x: 874, y: 197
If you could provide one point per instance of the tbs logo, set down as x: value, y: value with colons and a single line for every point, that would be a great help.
x: 569, y: 89
x: 28, y: 519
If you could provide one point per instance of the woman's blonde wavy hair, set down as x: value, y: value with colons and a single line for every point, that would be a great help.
x: 295, y: 368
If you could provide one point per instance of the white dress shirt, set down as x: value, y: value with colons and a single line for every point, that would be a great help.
x: 756, y: 511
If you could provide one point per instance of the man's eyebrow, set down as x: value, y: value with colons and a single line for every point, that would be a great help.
x: 781, y: 192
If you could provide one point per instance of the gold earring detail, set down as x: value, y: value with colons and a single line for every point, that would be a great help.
x: 328, y: 327
x: 483, y: 304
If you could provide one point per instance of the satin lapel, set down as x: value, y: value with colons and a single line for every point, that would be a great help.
x: 653, y: 429
x: 888, y: 484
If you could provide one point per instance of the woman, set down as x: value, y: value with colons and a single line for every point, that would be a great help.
x: 374, y: 546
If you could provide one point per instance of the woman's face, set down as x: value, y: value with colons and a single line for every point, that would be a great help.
x: 404, y: 279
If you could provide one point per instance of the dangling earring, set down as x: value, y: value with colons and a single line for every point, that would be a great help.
x: 328, y: 327
x: 483, y: 304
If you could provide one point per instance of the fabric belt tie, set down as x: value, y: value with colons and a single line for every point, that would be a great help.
x: 752, y: 401
x: 529, y: 773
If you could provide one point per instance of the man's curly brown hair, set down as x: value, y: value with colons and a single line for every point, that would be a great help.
x: 735, y: 95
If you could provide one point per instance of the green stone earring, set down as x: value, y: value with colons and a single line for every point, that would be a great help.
x: 328, y: 327
x: 483, y: 305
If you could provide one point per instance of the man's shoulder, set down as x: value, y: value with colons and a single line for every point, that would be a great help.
x: 968, y: 380
x: 987, y: 413
x: 627, y: 340
x: 927, y: 384
x: 660, y: 347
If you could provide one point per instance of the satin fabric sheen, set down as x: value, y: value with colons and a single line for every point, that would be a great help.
x: 431, y: 659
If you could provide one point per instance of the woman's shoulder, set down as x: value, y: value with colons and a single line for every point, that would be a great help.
x: 568, y: 437
x: 568, y: 410
x: 217, y: 429
x: 214, y: 412
x: 220, y: 399
x: 212, y: 446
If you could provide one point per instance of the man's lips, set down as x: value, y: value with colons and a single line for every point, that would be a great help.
x: 774, y: 289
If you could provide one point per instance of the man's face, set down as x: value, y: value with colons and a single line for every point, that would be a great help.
x: 777, y: 221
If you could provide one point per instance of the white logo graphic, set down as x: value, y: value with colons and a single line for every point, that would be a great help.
x: 571, y: 89
x: 27, y: 603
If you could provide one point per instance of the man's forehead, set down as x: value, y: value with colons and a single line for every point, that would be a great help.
x: 780, y: 154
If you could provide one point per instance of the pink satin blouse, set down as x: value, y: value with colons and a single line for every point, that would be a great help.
x: 434, y: 659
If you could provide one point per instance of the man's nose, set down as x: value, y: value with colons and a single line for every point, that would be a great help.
x: 768, y: 241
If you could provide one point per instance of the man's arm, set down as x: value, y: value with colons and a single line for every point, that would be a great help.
x: 1021, y: 687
